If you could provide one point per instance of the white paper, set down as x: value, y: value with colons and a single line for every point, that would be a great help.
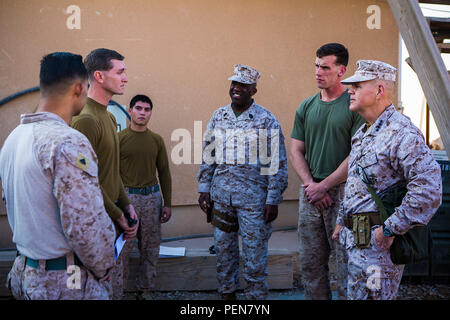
x: 118, y: 246
x: 171, y: 252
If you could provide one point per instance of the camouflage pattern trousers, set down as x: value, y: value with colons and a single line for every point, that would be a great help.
x: 371, y: 273
x: 148, y: 210
x: 117, y: 278
x: 76, y: 283
x: 317, y: 250
x: 255, y: 235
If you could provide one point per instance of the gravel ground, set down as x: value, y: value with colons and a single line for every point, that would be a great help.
x: 407, y: 291
x: 410, y: 291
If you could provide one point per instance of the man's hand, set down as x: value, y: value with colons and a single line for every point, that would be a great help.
x: 336, y: 231
x: 166, y: 213
x: 270, y: 213
x: 204, y: 201
x: 383, y: 241
x: 314, y: 191
x: 131, y: 232
x: 123, y: 224
x: 324, y: 203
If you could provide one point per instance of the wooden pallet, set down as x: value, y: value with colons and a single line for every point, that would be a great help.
x: 6, y: 262
x: 195, y: 271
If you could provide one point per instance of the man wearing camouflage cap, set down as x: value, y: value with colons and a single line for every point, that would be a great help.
x: 388, y: 151
x: 243, y: 184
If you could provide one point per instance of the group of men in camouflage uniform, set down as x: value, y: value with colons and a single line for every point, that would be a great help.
x: 243, y: 197
x: 241, y: 181
x: 65, y: 199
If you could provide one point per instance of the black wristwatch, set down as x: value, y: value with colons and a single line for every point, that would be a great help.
x: 387, y: 232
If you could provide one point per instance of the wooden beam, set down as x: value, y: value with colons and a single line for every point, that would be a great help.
x: 434, y: 1
x: 427, y: 62
x: 6, y: 262
x: 444, y: 47
x: 197, y: 271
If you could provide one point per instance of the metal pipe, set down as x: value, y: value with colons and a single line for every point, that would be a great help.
x: 34, y: 89
x: 18, y: 94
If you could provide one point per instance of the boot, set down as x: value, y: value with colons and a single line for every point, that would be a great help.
x: 140, y: 295
x: 229, y: 296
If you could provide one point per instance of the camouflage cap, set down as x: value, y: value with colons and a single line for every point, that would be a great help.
x: 371, y: 69
x: 245, y: 74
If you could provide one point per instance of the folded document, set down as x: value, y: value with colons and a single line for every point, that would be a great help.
x: 171, y: 252
x: 164, y: 252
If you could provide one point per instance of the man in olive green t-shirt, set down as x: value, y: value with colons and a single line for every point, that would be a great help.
x: 142, y: 155
x: 320, y: 145
x: 106, y: 71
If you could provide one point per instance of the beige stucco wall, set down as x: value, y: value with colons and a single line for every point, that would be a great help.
x: 182, y: 52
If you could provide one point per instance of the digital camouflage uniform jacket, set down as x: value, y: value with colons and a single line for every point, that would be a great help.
x: 392, y: 151
x: 244, y: 158
x: 45, y: 153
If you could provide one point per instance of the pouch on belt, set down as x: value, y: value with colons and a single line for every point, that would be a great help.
x: 361, y: 231
x: 224, y: 221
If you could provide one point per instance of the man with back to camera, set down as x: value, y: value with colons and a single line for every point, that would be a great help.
x: 320, y: 145
x: 242, y: 191
x: 64, y: 237
x: 107, y: 77
x: 389, y: 150
x: 142, y: 155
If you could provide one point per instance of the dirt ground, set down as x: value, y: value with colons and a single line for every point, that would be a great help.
x: 409, y: 290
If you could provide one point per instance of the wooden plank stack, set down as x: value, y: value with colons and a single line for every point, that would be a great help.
x: 195, y: 271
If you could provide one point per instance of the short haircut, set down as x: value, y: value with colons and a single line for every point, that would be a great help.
x: 59, y: 70
x: 100, y: 59
x: 390, y: 87
x: 334, y: 49
x: 142, y: 98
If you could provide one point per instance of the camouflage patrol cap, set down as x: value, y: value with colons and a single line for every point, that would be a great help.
x: 371, y: 69
x: 245, y: 74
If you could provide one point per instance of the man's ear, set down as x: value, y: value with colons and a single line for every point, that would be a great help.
x: 98, y: 76
x: 77, y: 88
x: 254, y: 91
x: 380, y: 90
x: 342, y: 71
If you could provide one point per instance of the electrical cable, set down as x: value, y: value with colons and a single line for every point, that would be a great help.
x: 17, y: 95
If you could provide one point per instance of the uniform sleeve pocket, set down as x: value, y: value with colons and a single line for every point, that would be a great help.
x: 80, y: 159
